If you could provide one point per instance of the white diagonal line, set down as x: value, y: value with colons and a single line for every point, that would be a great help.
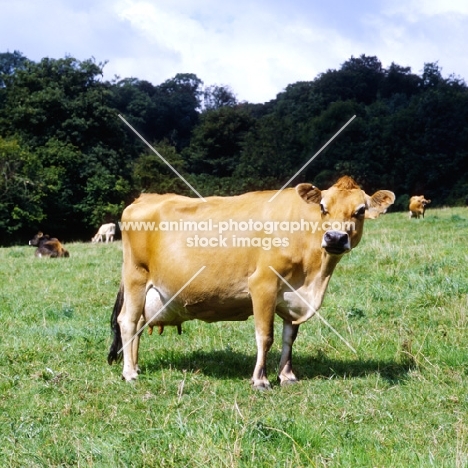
x: 312, y: 158
x: 160, y: 310
x: 308, y: 305
x: 156, y: 152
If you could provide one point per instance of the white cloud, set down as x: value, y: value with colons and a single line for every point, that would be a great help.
x: 412, y: 33
x: 416, y: 9
x: 249, y: 48
x: 256, y: 48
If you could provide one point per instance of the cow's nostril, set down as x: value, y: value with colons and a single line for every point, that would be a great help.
x: 342, y: 238
x: 328, y: 237
x: 335, y: 237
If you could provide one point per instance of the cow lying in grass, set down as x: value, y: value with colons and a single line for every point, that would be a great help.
x: 48, y: 246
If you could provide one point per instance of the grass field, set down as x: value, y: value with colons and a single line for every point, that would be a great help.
x: 400, y: 298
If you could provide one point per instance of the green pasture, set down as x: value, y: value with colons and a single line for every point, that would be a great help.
x: 400, y: 299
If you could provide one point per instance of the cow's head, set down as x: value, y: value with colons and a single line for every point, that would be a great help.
x: 36, y: 239
x: 344, y: 206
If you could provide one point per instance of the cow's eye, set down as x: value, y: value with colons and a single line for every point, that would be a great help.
x: 323, y: 209
x: 360, y: 212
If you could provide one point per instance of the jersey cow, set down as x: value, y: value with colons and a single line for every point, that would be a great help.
x: 48, y: 246
x: 417, y: 206
x: 107, y: 231
x: 232, y: 257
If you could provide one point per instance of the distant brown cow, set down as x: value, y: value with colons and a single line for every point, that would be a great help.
x: 417, y: 206
x: 48, y: 246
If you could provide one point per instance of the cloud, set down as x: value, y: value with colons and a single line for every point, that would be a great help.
x: 412, y: 33
x: 82, y: 29
x: 250, y: 48
x: 416, y: 10
x: 257, y: 48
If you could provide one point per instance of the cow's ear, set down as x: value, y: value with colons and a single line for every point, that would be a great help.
x: 309, y: 193
x: 378, y: 203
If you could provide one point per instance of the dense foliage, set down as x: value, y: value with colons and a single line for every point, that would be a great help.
x: 68, y: 163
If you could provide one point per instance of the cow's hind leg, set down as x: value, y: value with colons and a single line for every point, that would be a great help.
x: 129, y: 320
x: 286, y: 374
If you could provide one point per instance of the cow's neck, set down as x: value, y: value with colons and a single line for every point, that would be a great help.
x: 315, y: 285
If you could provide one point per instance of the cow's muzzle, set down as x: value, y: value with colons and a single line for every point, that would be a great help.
x: 336, y: 242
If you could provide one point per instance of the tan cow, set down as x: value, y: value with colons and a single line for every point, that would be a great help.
x: 107, y: 230
x: 417, y: 206
x: 48, y: 246
x: 184, y: 259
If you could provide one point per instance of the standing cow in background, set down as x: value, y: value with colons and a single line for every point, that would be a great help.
x: 107, y: 230
x: 234, y: 271
x: 48, y: 246
x: 417, y: 206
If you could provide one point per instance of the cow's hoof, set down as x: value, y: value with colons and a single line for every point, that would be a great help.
x: 130, y: 377
x: 286, y: 382
x: 262, y: 386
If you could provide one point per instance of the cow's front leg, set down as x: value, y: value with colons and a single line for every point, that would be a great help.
x: 264, y: 301
x: 286, y: 374
x: 264, y: 338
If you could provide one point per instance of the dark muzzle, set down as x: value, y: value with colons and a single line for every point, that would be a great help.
x: 336, y: 242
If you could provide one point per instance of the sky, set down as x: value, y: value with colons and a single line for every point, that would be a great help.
x: 256, y: 48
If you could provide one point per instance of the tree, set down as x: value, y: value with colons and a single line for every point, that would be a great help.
x: 63, y: 99
x: 152, y: 175
x: 400, y: 80
x: 300, y: 102
x: 215, y: 97
x: 168, y: 111
x: 10, y: 62
x: 177, y: 102
x: 217, y: 141
x: 134, y: 100
x: 359, y: 79
x: 20, y: 190
x: 432, y: 75
x: 270, y: 153
x: 60, y: 108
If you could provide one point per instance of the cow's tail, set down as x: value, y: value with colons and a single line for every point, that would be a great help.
x: 115, y: 353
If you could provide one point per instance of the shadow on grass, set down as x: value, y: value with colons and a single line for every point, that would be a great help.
x: 227, y: 364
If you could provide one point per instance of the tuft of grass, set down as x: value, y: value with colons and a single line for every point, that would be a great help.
x: 400, y: 298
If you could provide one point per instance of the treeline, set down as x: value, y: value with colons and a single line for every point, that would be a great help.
x: 69, y: 164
